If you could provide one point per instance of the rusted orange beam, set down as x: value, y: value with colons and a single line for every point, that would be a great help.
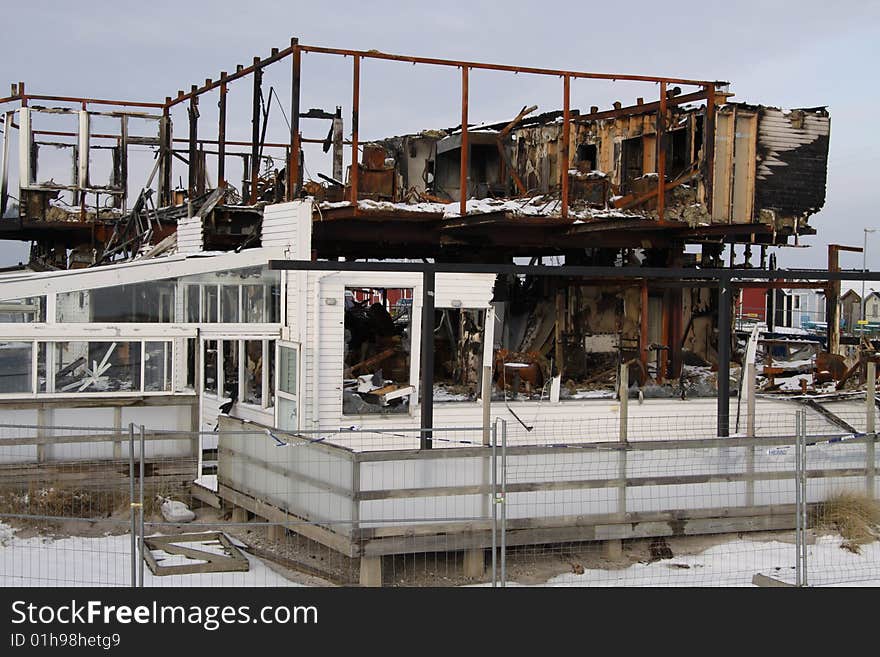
x: 375, y: 54
x: 355, y: 108
x: 661, y: 153
x: 566, y: 138
x: 463, y: 174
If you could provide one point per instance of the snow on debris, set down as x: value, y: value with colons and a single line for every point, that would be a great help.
x: 103, y: 561
x: 536, y: 206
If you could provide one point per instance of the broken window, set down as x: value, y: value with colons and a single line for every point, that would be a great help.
x: 89, y: 367
x: 631, y: 162
x: 677, y: 157
x: 588, y: 156
x: 253, y: 371
x: 458, y: 353
x: 16, y: 367
x: 377, y: 343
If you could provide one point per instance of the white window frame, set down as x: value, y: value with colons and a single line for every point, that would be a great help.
x: 297, y: 397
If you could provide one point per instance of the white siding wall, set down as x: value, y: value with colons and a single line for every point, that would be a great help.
x: 189, y: 235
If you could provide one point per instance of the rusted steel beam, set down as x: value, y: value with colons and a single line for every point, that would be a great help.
x: 221, y: 133
x: 193, y: 144
x: 295, y: 144
x: 165, y: 154
x: 463, y: 173
x: 81, y: 101
x: 242, y: 72
x: 355, y: 109
x: 375, y: 54
x: 566, y: 138
x: 644, y: 108
x: 255, y: 124
x: 661, y: 153
x: 709, y: 146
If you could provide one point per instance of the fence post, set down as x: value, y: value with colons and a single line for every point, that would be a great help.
x: 503, y: 503
x: 804, y: 491
x: 798, y: 537
x: 614, y: 547
x: 623, y: 391
x: 141, y: 514
x: 870, y: 429
x: 750, y: 433
x: 131, y: 503
x: 494, y: 504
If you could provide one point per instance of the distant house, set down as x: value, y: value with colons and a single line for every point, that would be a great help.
x: 850, y: 309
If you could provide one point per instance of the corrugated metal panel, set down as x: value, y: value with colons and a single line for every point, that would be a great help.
x: 792, y: 156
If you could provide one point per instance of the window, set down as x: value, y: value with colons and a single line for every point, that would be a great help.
x: 209, y: 384
x: 23, y: 311
x: 16, y: 367
x: 287, y: 399
x: 207, y: 298
x: 89, y: 367
x: 376, y: 348
x: 253, y: 371
x: 157, y: 366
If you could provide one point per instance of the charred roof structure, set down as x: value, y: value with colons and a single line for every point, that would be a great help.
x: 685, y: 167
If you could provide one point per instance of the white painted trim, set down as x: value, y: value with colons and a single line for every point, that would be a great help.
x: 137, y: 271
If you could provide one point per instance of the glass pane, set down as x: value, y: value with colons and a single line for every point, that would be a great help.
x: 230, y: 369
x: 229, y: 304
x: 16, y: 367
x: 253, y: 372
x: 23, y: 311
x: 287, y: 373
x: 270, y: 402
x: 211, y: 303
x: 210, y: 383
x: 148, y: 302
x: 90, y: 367
x: 254, y: 303
x: 191, y: 346
x: 287, y: 419
x: 157, y: 369
x: 41, y: 367
x: 193, y: 303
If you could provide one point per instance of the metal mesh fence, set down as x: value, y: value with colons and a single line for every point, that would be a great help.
x: 665, y: 502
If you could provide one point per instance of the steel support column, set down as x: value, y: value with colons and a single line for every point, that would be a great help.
x: 463, y: 174
x: 255, y: 133
x: 293, y: 188
x: 427, y: 379
x: 724, y: 319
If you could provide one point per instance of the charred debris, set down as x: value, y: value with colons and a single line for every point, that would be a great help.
x: 669, y: 179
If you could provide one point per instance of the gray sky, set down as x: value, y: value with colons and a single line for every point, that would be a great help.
x: 785, y: 54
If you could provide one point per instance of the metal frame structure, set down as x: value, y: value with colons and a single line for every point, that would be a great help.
x: 707, y: 90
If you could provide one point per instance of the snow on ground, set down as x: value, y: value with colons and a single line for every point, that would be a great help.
x: 736, y: 562
x: 103, y: 561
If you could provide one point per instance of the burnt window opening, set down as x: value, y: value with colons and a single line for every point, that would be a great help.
x: 588, y: 157
x: 631, y: 162
x: 458, y: 354
x: 698, y: 137
x: 677, y: 157
x: 376, y: 350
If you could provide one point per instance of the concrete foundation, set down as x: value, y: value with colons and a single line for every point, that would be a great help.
x: 613, y: 549
x: 475, y: 563
x: 239, y: 514
x: 371, y: 571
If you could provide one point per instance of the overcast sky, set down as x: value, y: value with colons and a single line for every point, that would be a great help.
x: 797, y: 54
